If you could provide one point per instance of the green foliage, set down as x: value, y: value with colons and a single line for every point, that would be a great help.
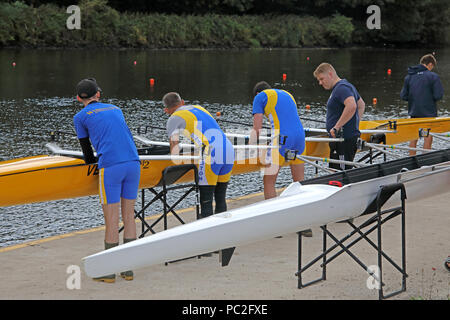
x: 99, y: 23
x: 224, y: 23
x: 7, y: 11
x: 339, y: 29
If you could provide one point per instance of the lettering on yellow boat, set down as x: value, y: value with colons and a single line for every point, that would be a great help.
x: 92, y: 170
x: 145, y: 164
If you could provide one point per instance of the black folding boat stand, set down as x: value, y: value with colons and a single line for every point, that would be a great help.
x: 378, y: 218
x: 169, y: 176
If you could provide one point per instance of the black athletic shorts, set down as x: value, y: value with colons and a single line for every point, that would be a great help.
x: 343, y: 151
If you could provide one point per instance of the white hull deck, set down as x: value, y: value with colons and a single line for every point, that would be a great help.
x: 298, y: 208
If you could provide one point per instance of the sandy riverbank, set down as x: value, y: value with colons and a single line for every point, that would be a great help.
x: 263, y: 270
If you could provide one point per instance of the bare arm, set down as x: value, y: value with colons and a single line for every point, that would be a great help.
x: 361, y: 107
x: 174, y: 144
x: 257, y: 126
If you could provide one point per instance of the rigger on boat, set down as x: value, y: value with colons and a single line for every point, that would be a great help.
x: 65, y: 175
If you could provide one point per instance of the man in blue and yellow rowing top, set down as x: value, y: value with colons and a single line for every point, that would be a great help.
x: 215, y: 167
x: 286, y: 132
x: 104, y: 126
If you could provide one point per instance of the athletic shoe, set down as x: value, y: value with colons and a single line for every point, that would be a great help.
x: 127, y: 275
x: 108, y: 279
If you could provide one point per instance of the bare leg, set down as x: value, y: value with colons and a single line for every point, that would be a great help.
x: 129, y: 231
x: 427, y: 142
x: 412, y: 144
x: 298, y: 171
x: 111, y: 214
x: 270, y: 177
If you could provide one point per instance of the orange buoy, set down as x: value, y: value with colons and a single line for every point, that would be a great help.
x: 218, y: 113
x: 152, y: 82
x: 308, y: 107
x: 374, y: 101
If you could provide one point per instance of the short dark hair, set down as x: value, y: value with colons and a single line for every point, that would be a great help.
x: 260, y: 86
x: 428, y: 58
x: 171, y: 99
x: 87, y: 88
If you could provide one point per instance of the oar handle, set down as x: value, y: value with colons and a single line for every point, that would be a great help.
x: 240, y: 123
x: 311, y: 119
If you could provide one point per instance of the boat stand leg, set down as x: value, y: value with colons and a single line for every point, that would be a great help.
x: 402, y: 210
x: 143, y: 209
x: 377, y: 218
x: 169, y: 176
x: 300, y: 271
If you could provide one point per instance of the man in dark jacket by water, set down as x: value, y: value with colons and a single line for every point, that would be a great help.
x: 422, y: 88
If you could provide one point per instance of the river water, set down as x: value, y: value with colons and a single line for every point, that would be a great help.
x: 37, y: 95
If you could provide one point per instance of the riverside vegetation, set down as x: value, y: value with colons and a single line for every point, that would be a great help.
x: 424, y: 22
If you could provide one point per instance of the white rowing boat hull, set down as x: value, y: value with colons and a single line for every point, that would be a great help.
x: 298, y: 208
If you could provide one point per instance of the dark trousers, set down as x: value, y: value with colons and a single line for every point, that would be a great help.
x: 343, y: 151
x: 207, y: 193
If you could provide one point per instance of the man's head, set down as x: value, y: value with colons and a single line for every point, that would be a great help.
x: 326, y: 75
x: 428, y: 61
x: 87, y: 90
x: 260, y: 86
x: 172, y: 101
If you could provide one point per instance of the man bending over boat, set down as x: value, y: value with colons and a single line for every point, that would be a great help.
x: 104, y: 126
x: 214, y: 171
x: 345, y: 108
x: 286, y: 131
x: 422, y: 89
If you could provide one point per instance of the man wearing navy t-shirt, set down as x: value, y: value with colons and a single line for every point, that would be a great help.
x: 104, y: 126
x: 345, y: 108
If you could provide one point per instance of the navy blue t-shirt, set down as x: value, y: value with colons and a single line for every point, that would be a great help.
x: 335, y: 106
x: 105, y: 126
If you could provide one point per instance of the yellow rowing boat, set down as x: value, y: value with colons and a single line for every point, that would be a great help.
x: 46, y: 178
x: 52, y: 177
x: 402, y: 130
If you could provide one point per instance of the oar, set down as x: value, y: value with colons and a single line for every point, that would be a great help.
x: 71, y: 153
x: 392, y: 147
x: 240, y: 123
x: 311, y: 119
x: 164, y: 144
x: 441, y: 137
x: 397, y: 123
x: 192, y: 146
x: 329, y: 170
x: 78, y: 154
x: 383, y: 150
x: 246, y: 124
x: 328, y: 160
x: 369, y: 131
x: 444, y: 135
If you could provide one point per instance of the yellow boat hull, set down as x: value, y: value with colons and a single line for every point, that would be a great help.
x: 407, y: 129
x: 46, y: 178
